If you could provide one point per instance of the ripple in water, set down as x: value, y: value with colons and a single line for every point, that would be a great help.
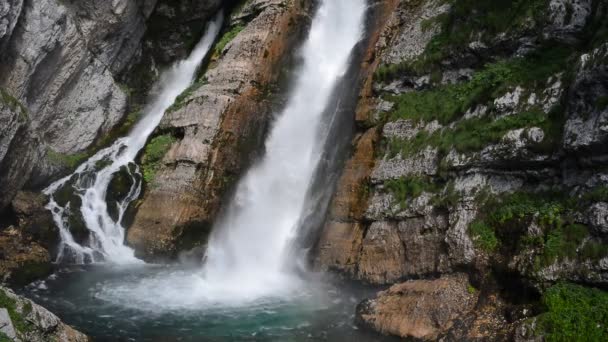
x: 162, y: 303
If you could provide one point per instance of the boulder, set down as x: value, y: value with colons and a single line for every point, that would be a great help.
x: 421, y: 309
x: 33, y: 323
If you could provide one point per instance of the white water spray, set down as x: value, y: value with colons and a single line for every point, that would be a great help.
x: 249, y: 249
x: 248, y: 252
x: 90, y: 181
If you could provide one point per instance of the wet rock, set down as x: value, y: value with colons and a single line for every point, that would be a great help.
x: 22, y: 260
x: 42, y: 325
x: 421, y: 309
x: 34, y: 220
x: 223, y: 121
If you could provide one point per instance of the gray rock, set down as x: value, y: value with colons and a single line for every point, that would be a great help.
x: 568, y: 18
x: 45, y: 325
x: 598, y: 218
x: 412, y: 37
x: 423, y: 163
x: 6, y: 325
x: 9, y: 13
x: 587, y: 125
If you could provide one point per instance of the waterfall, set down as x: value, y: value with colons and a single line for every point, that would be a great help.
x: 89, y: 183
x: 249, y: 247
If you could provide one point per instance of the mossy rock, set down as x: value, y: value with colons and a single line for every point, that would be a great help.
x: 30, y: 271
x: 119, y: 189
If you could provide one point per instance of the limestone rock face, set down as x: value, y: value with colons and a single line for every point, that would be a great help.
x: 59, y: 61
x: 422, y: 309
x: 453, y: 173
x: 587, y: 127
x: 221, y: 125
x: 9, y: 13
x: 43, y: 325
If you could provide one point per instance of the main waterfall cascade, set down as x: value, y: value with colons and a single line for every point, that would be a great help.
x: 249, y: 259
x: 91, y: 180
x: 250, y: 244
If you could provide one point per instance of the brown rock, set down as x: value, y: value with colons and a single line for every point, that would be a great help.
x: 21, y: 261
x: 422, y: 309
x: 34, y: 220
x: 222, y: 122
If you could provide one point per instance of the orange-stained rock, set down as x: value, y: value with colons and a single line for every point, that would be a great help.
x: 219, y: 127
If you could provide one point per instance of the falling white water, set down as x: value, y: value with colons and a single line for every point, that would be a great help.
x: 248, y: 250
x: 247, y: 257
x: 90, y: 181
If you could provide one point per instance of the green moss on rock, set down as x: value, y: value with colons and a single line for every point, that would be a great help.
x: 17, y: 315
x: 153, y: 154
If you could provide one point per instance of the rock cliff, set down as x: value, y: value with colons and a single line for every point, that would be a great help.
x: 480, y: 149
x: 477, y: 186
x: 61, y: 63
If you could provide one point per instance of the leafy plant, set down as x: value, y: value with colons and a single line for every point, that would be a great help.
x: 483, y: 236
x: 407, y: 188
x: 574, y: 313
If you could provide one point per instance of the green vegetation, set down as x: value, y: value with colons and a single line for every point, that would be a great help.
x: 18, y: 318
x: 467, y: 21
x: 153, y: 154
x: 470, y: 20
x: 182, y: 99
x: 227, y: 38
x: 447, y: 103
x: 70, y: 161
x: 13, y: 103
x: 562, y: 243
x: 471, y: 289
x: 574, y: 313
x: 504, y: 221
x: 406, y: 188
x: 4, y: 338
x: 468, y: 135
x: 483, y: 236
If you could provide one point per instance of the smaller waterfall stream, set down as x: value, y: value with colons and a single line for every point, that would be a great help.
x: 90, y: 181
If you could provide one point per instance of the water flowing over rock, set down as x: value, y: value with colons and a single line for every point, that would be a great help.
x: 103, y: 236
x: 223, y: 121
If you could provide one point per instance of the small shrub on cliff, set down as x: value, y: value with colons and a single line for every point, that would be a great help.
x: 483, y: 236
x: 153, y: 155
x: 407, y: 188
x: 13, y: 103
x: 563, y: 242
x: 467, y: 136
x: 574, y: 313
